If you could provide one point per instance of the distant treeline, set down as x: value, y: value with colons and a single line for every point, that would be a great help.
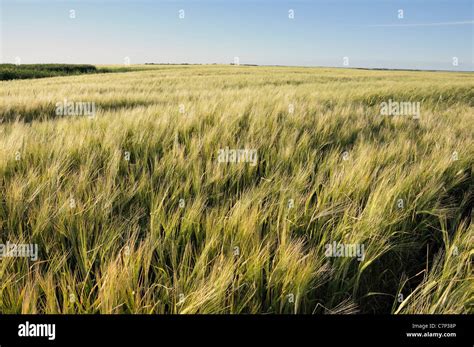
x: 12, y: 72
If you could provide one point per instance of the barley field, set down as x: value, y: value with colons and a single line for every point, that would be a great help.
x: 133, y: 212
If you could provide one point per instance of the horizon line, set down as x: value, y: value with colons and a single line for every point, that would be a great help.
x: 254, y: 65
x: 422, y: 24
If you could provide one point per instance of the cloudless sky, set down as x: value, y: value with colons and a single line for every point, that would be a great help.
x: 322, y: 33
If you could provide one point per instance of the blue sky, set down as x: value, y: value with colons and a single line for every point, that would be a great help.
x: 322, y: 33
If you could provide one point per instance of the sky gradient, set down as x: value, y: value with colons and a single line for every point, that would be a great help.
x: 367, y: 32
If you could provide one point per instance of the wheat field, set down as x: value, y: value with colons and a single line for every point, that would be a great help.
x: 132, y: 211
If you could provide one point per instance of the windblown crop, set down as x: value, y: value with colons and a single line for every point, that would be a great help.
x: 133, y: 212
